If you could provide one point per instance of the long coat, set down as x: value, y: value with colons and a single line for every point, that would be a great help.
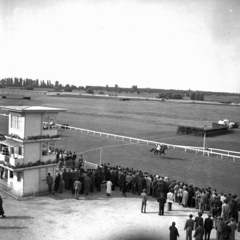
x: 185, y: 198
x: 173, y: 233
x: 1, y: 207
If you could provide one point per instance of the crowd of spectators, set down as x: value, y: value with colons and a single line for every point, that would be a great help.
x: 221, y: 206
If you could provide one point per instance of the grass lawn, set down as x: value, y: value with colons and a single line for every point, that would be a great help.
x: 148, y: 120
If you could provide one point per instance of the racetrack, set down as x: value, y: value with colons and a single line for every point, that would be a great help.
x: 156, y: 121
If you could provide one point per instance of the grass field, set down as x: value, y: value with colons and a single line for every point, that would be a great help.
x: 148, y: 120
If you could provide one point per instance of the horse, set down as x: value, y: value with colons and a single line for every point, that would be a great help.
x: 161, y: 151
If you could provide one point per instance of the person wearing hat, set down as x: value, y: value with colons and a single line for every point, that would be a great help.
x: 1, y: 207
x: 189, y: 225
x: 173, y: 232
x: 144, y: 201
x: 208, y: 226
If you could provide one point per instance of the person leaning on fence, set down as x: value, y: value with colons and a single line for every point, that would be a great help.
x: 1, y: 207
x: 144, y: 201
x: 49, y: 182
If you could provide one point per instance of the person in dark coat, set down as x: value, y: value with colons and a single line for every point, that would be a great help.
x: 56, y: 182
x: 173, y: 232
x: 65, y: 177
x: 226, y: 233
x: 189, y: 226
x: 140, y: 184
x: 199, y: 232
x: 198, y: 220
x: 208, y: 226
x: 124, y: 187
x: 1, y: 208
x: 81, y: 179
x: 98, y: 181
x: 162, y: 201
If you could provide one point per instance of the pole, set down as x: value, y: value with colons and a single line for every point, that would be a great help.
x: 100, y: 156
x: 204, y: 139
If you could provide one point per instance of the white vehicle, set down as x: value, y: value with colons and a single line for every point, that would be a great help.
x: 226, y: 122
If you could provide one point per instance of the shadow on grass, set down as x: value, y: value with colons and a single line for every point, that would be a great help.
x: 18, y: 217
x: 172, y: 158
x: 9, y: 227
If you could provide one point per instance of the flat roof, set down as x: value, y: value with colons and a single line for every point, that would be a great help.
x: 11, y: 143
x: 32, y: 109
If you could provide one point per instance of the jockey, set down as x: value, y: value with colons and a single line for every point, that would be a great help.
x: 158, y: 147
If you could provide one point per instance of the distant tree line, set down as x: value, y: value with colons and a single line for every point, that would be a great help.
x: 30, y: 84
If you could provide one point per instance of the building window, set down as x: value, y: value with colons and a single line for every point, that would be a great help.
x: 20, y: 151
x: 11, y: 174
x: 12, y: 150
x: 19, y: 176
x: 16, y: 122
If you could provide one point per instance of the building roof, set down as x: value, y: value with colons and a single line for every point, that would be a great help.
x: 32, y: 109
x: 11, y: 143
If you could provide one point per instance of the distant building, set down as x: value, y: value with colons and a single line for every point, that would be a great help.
x: 27, y: 152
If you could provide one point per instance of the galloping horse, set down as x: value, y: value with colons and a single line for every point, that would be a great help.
x: 159, y: 152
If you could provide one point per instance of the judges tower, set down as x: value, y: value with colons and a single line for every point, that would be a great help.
x: 27, y: 151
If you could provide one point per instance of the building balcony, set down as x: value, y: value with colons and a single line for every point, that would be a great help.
x: 45, y: 158
x: 50, y: 132
x: 11, y: 159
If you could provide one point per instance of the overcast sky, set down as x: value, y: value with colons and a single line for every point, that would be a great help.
x: 169, y: 44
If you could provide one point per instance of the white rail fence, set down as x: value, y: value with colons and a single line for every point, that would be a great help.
x: 208, y: 151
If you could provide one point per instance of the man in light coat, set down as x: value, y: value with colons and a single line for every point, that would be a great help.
x: 170, y: 200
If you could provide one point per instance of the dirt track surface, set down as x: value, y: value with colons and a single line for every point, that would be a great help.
x: 93, y: 217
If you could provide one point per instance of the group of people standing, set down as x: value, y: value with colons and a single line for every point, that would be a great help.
x: 221, y: 207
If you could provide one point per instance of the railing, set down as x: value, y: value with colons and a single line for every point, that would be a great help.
x: 50, y: 132
x: 209, y: 152
x: 51, y: 156
x: 11, y: 159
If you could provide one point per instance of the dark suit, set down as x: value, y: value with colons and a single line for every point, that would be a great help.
x: 189, y: 225
x: 199, y: 232
x: 173, y: 233
x: 162, y: 201
x: 198, y: 221
x: 226, y: 234
x: 219, y: 228
x: 208, y: 226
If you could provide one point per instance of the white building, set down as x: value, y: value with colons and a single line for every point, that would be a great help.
x: 26, y: 153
